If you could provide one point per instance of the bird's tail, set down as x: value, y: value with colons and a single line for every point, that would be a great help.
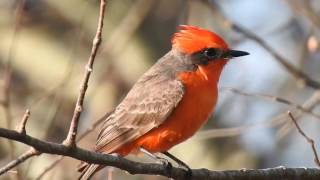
x: 87, y: 170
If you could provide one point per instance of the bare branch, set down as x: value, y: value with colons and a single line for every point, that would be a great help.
x: 71, y: 138
x: 273, y: 98
x: 311, y: 103
x: 156, y: 169
x: 310, y: 140
x: 28, y: 154
x: 278, y: 120
x: 22, y: 125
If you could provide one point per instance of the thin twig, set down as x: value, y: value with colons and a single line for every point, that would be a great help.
x: 273, y: 98
x: 310, y: 104
x: 22, y: 125
x: 275, y: 121
x: 236, y: 131
x: 71, y: 138
x: 28, y: 154
x: 310, y: 140
x: 305, y: 51
x: 304, y: 8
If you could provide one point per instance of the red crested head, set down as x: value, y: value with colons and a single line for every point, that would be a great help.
x: 192, y: 39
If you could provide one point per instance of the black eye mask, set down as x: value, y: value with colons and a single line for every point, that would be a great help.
x: 211, y: 54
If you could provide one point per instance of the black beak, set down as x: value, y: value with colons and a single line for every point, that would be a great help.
x: 234, y: 53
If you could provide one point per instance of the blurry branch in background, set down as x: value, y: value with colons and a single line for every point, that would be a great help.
x: 310, y: 103
x: 6, y: 102
x: 274, y: 99
x: 58, y: 99
x: 304, y: 8
x: 72, y: 134
x: 185, y: 12
x: 309, y: 140
x: 127, y: 27
x: 279, y: 120
x: 233, y: 131
x: 305, y: 50
x: 8, y: 69
x: 79, y: 33
x: 123, y: 32
x: 302, y: 78
x: 50, y: 167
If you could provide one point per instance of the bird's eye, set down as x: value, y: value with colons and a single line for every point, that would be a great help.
x: 212, y: 53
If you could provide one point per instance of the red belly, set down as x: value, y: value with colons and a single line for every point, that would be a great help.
x: 191, y: 113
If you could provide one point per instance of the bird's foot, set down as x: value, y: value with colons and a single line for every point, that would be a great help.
x: 167, y: 165
x: 180, y: 163
x: 187, y: 169
x: 188, y: 173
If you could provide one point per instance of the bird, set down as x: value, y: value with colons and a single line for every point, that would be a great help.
x: 170, y: 101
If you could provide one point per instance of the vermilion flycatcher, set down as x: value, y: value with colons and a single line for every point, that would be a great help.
x: 171, y: 101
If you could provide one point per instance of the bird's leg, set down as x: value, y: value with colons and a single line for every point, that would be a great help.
x: 164, y: 161
x: 179, y: 162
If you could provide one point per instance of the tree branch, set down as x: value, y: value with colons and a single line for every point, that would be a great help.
x: 309, y: 140
x: 278, y: 120
x: 22, y: 125
x: 156, y: 169
x: 28, y: 154
x: 273, y: 98
x: 71, y: 138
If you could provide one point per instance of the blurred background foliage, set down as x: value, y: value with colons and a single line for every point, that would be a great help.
x: 48, y: 43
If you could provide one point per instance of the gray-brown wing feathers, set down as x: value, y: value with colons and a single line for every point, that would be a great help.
x: 147, y: 105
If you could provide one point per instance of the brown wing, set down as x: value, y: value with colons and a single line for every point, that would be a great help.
x: 147, y: 105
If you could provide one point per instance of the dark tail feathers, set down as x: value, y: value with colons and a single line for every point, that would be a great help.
x: 87, y: 170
